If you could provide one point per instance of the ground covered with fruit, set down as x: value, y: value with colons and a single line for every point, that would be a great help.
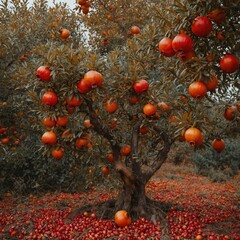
x: 199, y: 209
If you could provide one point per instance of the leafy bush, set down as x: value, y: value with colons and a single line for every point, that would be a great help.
x: 25, y: 170
x: 219, y: 166
x: 180, y: 154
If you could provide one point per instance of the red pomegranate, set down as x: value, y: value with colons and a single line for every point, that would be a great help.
x: 212, y: 84
x: 83, y: 87
x: 165, y: 47
x: 218, y: 145
x: 197, y: 90
x: 193, y: 136
x: 229, y: 63
x: 44, y: 73
x: 93, y: 78
x: 140, y: 86
x: 229, y: 113
x: 201, y: 26
x: 182, y: 43
x: 50, y: 98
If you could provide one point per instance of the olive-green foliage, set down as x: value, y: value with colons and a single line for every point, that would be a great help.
x: 25, y: 170
x: 219, y: 166
x: 180, y: 153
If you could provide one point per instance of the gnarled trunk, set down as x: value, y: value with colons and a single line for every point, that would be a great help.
x: 133, y: 199
x: 132, y: 196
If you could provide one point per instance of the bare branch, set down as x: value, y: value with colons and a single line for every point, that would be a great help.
x: 161, y: 157
x: 98, y: 126
x: 135, y: 136
x: 135, y: 140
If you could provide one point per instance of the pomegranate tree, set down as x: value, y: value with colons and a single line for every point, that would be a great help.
x: 120, y: 87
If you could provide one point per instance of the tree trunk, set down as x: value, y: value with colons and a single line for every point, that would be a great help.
x: 133, y: 199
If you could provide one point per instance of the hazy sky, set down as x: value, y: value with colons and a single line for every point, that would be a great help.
x: 71, y: 3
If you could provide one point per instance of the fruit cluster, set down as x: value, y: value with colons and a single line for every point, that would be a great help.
x: 84, y: 6
x: 10, y: 136
x: 182, y: 44
x: 92, y: 79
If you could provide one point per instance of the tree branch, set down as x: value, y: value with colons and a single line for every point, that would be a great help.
x: 161, y: 157
x: 125, y: 173
x: 135, y: 136
x: 98, y: 126
x: 135, y: 140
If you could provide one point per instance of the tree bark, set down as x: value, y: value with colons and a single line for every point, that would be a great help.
x: 133, y: 200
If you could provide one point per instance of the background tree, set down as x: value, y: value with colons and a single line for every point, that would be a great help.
x: 119, y: 95
x: 22, y: 167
